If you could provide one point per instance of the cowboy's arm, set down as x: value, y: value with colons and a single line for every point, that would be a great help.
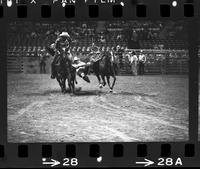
x: 81, y: 64
x: 57, y: 44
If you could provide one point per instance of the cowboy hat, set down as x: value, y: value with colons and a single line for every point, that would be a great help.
x: 76, y: 58
x: 98, y: 51
x: 64, y: 34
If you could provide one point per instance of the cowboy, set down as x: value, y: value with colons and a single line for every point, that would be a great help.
x: 94, y: 54
x: 61, y: 46
x: 134, y: 61
x: 142, y: 60
x: 119, y: 55
x: 114, y: 60
x: 80, y: 68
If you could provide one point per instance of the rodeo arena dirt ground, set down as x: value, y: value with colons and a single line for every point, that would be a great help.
x: 142, y: 108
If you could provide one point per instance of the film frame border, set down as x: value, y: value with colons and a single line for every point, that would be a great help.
x: 129, y: 151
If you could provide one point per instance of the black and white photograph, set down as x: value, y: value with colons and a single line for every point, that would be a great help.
x: 97, y: 81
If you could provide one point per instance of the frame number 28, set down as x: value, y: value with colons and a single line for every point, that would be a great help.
x: 70, y: 162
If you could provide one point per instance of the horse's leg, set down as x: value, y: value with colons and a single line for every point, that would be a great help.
x: 114, y: 80
x: 73, y: 79
x: 60, y: 84
x: 104, y: 80
x: 60, y: 81
x: 99, y: 79
x: 64, y: 85
x: 108, y: 81
x: 69, y: 82
x: 114, y: 77
x: 73, y: 85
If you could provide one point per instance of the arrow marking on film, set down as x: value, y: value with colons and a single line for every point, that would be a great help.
x: 146, y: 162
x: 52, y: 163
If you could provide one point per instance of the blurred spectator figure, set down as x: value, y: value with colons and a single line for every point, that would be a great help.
x: 42, y: 58
x: 119, y: 54
x: 119, y: 37
x: 150, y: 35
x: 115, y: 61
x: 102, y: 39
x: 141, y: 64
x: 161, y: 46
x: 134, y: 36
x: 134, y: 62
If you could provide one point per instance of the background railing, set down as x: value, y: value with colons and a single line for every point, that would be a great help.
x: 158, y: 62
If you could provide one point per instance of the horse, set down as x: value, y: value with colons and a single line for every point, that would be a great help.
x: 104, y: 67
x: 65, y: 71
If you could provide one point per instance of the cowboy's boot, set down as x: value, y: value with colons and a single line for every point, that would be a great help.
x: 86, y: 78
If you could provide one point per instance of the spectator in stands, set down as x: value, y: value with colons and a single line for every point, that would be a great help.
x: 42, y: 58
x: 141, y: 64
x: 150, y: 35
x: 119, y: 37
x: 134, y: 36
x: 114, y: 60
x: 134, y: 62
x: 119, y: 53
x: 102, y: 39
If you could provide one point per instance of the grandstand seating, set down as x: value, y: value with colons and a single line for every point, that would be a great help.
x: 27, y: 39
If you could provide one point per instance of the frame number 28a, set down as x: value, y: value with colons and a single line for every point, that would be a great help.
x: 169, y: 162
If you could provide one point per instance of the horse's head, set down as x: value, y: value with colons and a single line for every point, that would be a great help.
x: 107, y: 56
x: 64, y: 58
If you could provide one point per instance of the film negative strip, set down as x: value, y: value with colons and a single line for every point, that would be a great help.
x: 99, y: 83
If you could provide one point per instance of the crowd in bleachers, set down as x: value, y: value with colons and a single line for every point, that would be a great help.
x: 29, y: 37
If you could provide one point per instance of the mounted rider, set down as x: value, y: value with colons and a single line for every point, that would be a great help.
x: 82, y: 68
x: 61, y: 46
x: 95, y: 54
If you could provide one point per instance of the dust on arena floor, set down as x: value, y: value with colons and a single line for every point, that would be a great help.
x: 143, y: 108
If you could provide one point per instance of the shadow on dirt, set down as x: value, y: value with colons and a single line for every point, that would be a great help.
x: 88, y: 93
x: 123, y: 93
x: 79, y: 92
x: 46, y: 93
